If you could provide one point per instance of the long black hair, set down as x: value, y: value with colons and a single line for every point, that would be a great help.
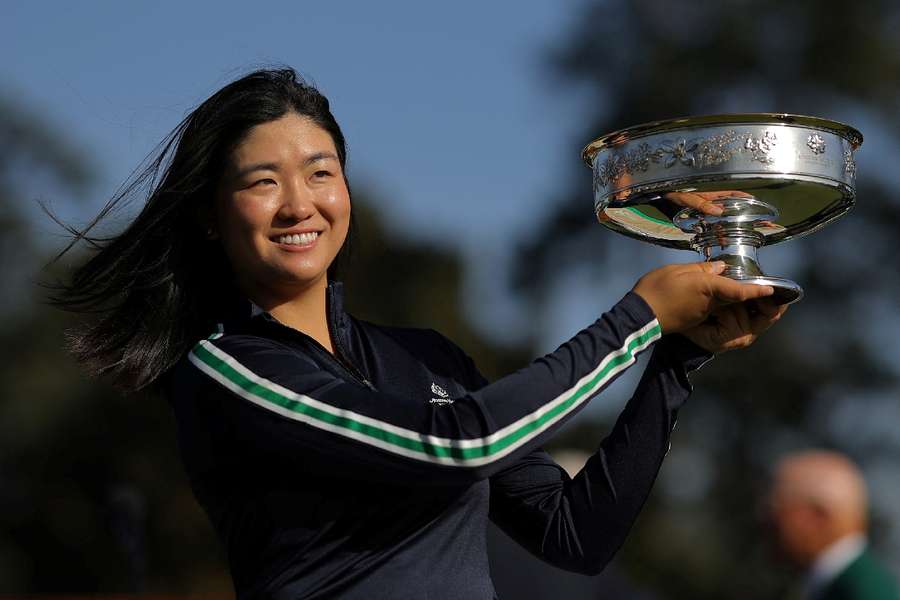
x: 157, y: 287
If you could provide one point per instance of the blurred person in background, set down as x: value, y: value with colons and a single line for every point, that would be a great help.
x: 336, y: 457
x: 818, y: 509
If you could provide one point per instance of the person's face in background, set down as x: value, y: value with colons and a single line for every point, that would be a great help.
x: 817, y: 498
x: 283, y: 208
x: 795, y: 526
x: 800, y: 526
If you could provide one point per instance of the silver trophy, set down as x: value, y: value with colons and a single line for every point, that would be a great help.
x: 778, y: 176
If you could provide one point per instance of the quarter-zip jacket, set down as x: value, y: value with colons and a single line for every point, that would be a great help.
x: 371, y: 473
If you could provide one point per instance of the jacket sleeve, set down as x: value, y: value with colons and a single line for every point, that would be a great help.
x: 269, y: 401
x: 579, y: 523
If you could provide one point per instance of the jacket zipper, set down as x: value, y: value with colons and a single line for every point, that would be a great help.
x: 344, y: 366
x: 339, y: 356
x: 335, y: 359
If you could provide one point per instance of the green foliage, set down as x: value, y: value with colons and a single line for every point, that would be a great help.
x: 412, y: 284
x: 637, y: 61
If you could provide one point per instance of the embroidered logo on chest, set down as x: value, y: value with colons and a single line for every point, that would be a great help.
x: 440, y: 395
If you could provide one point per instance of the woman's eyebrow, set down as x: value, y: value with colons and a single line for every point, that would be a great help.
x: 319, y: 156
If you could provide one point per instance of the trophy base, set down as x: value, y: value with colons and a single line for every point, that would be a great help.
x: 786, y: 291
x: 733, y: 237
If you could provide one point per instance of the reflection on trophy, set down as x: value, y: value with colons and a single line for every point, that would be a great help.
x: 725, y: 185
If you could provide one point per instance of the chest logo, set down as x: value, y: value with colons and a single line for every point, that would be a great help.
x: 441, y: 396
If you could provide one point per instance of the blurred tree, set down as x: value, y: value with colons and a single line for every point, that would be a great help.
x: 30, y: 148
x: 92, y: 494
x: 405, y: 283
x: 827, y: 374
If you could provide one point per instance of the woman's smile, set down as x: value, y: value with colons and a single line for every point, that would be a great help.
x: 298, y: 241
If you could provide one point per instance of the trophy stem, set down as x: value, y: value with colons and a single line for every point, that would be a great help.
x: 732, y: 237
x: 736, y: 247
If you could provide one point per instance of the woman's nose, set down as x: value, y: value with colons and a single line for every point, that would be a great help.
x: 297, y: 204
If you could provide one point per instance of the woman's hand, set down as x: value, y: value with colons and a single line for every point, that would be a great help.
x: 684, y: 296
x: 704, y: 202
x: 736, y: 325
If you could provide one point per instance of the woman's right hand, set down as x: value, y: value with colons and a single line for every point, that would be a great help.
x: 682, y: 296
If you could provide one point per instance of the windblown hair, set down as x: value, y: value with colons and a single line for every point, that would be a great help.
x: 158, y: 286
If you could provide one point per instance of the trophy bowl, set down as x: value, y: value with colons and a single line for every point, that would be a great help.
x: 724, y: 185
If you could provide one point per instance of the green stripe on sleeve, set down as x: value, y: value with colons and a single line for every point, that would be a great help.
x: 460, y: 452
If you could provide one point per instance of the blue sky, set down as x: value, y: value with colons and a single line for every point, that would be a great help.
x: 451, y: 116
x: 445, y: 107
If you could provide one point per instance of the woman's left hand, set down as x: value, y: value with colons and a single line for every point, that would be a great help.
x: 735, y: 325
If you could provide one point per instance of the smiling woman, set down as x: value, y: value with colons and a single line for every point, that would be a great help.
x: 282, y: 213
x: 337, y: 457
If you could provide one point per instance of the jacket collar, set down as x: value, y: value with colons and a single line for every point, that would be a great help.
x: 241, y: 311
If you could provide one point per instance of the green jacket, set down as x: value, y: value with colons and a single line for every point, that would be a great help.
x: 864, y: 579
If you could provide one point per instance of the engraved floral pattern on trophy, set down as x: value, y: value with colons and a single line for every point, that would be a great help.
x: 690, y: 152
x: 761, y: 148
x: 816, y: 143
x: 681, y: 151
x: 849, y: 163
x: 717, y: 149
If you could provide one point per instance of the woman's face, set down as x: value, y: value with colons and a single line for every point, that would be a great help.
x: 283, y: 208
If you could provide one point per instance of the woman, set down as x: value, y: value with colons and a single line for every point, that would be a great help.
x: 337, y: 458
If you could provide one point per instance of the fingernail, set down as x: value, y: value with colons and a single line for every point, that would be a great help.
x: 718, y: 266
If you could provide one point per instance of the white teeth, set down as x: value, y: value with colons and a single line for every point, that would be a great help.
x: 299, y: 239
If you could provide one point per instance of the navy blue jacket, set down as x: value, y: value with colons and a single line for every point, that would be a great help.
x: 372, y: 473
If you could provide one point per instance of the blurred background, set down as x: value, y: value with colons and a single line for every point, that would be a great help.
x: 465, y: 123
